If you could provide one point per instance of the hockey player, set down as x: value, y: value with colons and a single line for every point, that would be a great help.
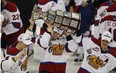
x: 98, y: 56
x: 101, y: 9
x: 100, y: 15
x: 55, y: 47
x: 16, y: 60
x: 111, y: 10
x: 12, y: 26
x: 108, y: 23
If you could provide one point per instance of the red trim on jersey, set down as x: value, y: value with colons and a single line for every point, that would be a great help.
x: 103, y: 4
x: 107, y: 3
x: 11, y: 7
x: 109, y: 17
x: 96, y: 22
x: 38, y: 42
x: 111, y: 8
x: 52, y: 67
x: 12, y: 37
x: 42, y: 31
x: 67, y: 49
x: 96, y: 41
x: 11, y: 50
x: 112, y: 51
x: 81, y: 70
x: 16, y: 25
x: 43, y: 2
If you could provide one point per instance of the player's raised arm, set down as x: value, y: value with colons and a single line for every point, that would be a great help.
x: 45, y: 35
x: 29, y: 31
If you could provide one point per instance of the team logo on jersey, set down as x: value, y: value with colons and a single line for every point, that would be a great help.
x: 96, y: 49
x: 96, y: 62
x: 89, y: 51
x: 103, y: 13
x: 56, y: 49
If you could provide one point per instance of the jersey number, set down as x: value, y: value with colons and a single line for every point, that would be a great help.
x: 15, y: 17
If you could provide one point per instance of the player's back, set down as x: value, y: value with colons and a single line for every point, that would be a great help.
x: 108, y: 23
x: 11, y: 12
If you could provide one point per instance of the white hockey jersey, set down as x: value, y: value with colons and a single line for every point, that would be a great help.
x: 111, y: 10
x: 100, y: 14
x: 55, y: 51
x: 108, y: 23
x: 12, y: 14
x: 9, y: 66
x: 95, y: 61
x: 101, y: 9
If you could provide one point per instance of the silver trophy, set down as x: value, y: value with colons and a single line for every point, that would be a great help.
x: 59, y: 16
x: 59, y: 19
x: 67, y: 18
x: 57, y: 24
x: 68, y: 14
x: 66, y: 21
x: 74, y: 23
x: 59, y: 12
x: 35, y: 14
x: 76, y: 16
x: 51, y: 16
x: 75, y: 20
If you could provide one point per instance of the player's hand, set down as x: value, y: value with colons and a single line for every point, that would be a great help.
x: 50, y: 28
x: 24, y: 65
x: 32, y: 21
